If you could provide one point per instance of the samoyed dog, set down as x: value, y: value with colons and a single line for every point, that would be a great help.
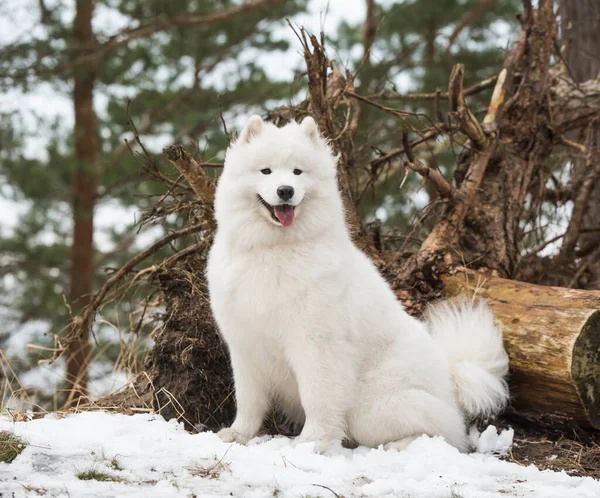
x: 314, y: 330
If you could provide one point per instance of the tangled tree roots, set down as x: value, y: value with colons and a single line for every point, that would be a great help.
x: 189, y: 365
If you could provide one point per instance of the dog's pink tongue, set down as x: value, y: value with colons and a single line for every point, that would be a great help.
x: 285, y: 214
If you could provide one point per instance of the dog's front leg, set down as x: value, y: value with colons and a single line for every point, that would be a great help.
x: 326, y: 381
x: 252, y: 400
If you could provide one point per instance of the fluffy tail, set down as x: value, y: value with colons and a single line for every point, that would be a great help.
x: 466, y: 332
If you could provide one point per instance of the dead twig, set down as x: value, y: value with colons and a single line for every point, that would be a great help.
x: 328, y: 489
x: 376, y: 164
x: 458, y: 105
x: 445, y: 188
x: 202, y: 185
x: 413, y: 97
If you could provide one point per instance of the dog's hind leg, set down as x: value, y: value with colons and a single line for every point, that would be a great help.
x: 396, y: 421
x: 400, y: 444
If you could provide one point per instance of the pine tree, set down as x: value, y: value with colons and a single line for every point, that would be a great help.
x: 162, y: 59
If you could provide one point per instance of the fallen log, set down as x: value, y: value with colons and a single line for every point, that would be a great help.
x: 552, y: 336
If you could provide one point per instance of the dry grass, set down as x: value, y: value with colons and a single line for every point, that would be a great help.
x: 33, y: 489
x: 11, y: 446
x: 213, y: 471
x: 114, y: 464
x: 16, y: 396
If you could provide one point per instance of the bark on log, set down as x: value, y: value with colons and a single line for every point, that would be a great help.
x: 552, y: 336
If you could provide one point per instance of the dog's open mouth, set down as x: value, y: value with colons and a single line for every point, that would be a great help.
x: 283, y: 213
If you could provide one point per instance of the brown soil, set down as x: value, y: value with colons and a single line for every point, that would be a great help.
x: 574, y: 450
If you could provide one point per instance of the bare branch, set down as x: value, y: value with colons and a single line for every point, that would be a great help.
x: 444, y: 234
x: 497, y: 98
x: 85, y: 321
x: 378, y: 161
x: 410, y: 97
x: 442, y: 185
x: 458, y: 105
x: 396, y: 112
x: 193, y: 173
x: 445, y: 188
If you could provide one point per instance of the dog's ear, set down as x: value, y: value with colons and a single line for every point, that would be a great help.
x: 310, y: 128
x: 253, y: 127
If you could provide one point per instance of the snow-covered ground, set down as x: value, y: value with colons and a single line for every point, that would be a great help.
x: 155, y: 458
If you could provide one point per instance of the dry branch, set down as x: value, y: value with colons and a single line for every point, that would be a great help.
x: 85, y: 321
x: 392, y: 110
x: 458, y: 105
x: 497, y: 98
x: 445, y: 188
x: 430, y: 135
x: 412, y: 97
x: 202, y: 185
x: 324, y: 94
x: 445, y: 233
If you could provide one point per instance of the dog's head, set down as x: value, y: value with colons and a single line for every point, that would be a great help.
x: 279, y: 183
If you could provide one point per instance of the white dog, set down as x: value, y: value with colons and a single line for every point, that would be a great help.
x: 311, y: 326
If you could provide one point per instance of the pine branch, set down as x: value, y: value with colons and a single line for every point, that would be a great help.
x: 147, y: 28
x: 471, y: 15
x: 157, y: 25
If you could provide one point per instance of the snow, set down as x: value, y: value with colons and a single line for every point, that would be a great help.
x: 489, y: 441
x: 160, y: 459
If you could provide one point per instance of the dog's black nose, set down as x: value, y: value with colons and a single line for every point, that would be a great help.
x: 285, y: 192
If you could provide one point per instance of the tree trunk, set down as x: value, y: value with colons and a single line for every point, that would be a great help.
x: 579, y: 25
x: 84, y: 198
x: 552, y: 336
x: 581, y: 45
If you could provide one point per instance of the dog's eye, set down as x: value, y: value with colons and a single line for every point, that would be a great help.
x: 297, y: 171
x: 266, y: 171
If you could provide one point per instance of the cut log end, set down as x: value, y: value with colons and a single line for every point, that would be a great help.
x: 585, y: 368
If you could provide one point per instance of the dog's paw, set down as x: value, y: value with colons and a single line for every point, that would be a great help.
x: 230, y: 435
x: 321, y: 445
x: 400, y: 444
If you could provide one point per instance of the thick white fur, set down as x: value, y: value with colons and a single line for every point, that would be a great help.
x: 312, y: 327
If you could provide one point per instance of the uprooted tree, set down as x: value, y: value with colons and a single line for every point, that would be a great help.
x: 505, y: 176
